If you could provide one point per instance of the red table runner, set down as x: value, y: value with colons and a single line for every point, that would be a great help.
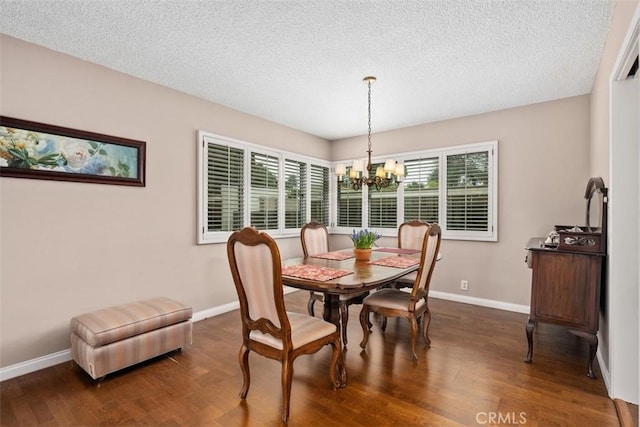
x: 396, y: 261
x: 335, y: 255
x: 314, y: 272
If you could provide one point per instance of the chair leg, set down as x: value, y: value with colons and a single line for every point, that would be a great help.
x: 337, y: 370
x: 364, y: 322
x: 312, y: 300
x: 344, y: 319
x: 243, y: 357
x: 413, y: 326
x: 287, y: 377
x: 426, y: 321
x: 383, y: 323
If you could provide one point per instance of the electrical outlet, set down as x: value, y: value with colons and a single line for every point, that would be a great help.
x: 464, y: 285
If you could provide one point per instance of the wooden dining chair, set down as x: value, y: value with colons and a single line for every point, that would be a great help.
x: 267, y: 328
x: 315, y: 240
x: 410, y: 236
x: 391, y: 302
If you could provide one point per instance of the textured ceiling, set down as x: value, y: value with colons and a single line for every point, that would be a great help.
x: 300, y: 63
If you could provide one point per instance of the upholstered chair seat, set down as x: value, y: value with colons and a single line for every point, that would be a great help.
x: 393, y: 300
x: 304, y: 329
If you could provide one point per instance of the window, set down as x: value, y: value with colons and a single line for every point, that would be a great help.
x: 421, y: 189
x: 319, y: 194
x: 467, y: 193
x: 383, y: 205
x: 264, y: 191
x: 295, y: 206
x: 242, y: 184
x: 224, y: 187
x: 349, y: 207
x: 454, y: 186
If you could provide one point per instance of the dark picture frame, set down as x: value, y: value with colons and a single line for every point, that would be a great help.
x: 42, y: 151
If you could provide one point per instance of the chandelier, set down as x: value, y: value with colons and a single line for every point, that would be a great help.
x: 384, y: 176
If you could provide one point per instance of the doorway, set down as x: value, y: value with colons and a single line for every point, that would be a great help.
x: 624, y: 221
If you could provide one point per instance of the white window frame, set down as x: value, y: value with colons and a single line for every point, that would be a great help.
x: 492, y: 209
x: 491, y: 234
x: 209, y: 237
x: 205, y: 236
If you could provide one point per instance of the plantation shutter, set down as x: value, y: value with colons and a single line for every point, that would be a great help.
x: 467, y: 194
x: 349, y: 207
x: 225, y: 187
x: 319, y: 194
x: 295, y: 204
x: 421, y: 189
x: 383, y: 205
x: 264, y: 191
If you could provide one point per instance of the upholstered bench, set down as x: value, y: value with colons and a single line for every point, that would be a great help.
x: 106, y: 340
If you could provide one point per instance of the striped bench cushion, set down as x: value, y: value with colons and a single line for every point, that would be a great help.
x: 116, y: 323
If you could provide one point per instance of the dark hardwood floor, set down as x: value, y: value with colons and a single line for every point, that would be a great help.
x: 473, y: 374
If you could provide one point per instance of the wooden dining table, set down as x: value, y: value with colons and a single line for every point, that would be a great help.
x: 361, y: 276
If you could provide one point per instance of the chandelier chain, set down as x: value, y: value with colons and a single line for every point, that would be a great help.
x: 383, y: 176
x: 369, y: 109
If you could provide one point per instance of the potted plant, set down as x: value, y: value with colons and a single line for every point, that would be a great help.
x: 363, y: 241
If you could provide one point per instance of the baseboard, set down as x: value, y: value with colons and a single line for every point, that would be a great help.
x: 53, y: 359
x: 215, y: 311
x: 483, y: 302
x: 224, y: 308
x: 36, y: 364
x: 606, y: 377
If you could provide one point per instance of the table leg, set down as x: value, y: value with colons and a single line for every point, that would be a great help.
x: 331, y: 312
x: 529, y: 328
x: 592, y: 339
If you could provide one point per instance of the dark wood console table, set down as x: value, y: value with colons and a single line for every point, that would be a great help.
x: 567, y: 278
x: 565, y: 290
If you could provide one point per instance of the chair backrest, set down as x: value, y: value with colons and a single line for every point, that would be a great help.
x: 256, y: 268
x: 314, y: 238
x: 430, y: 250
x: 411, y: 234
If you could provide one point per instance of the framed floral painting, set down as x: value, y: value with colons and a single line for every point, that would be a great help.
x: 42, y: 151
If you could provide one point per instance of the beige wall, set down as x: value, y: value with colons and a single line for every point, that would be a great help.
x: 543, y: 170
x: 67, y: 247
x: 600, y: 93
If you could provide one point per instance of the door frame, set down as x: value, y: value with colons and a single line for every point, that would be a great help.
x: 624, y: 161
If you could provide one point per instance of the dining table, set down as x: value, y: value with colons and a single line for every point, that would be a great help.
x: 338, y: 273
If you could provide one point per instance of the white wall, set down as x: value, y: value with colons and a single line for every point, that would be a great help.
x: 619, y: 296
